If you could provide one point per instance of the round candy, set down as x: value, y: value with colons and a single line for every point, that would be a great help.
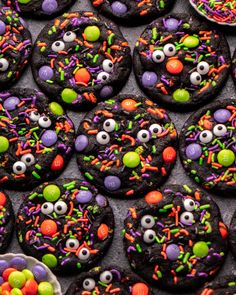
x: 50, y: 260
x: 46, y: 73
x: 172, y: 24
x: 191, y: 41
x: 149, y: 79
x: 112, y: 183
x: 56, y: 109
x: 81, y: 143
x: 181, y: 95
x: 39, y: 273
x: 18, y: 262
x: 119, y: 8
x: 4, y: 144
x: 49, y: 138
x: 92, y: 33
x: 84, y: 197
x: 200, y: 249
x: 172, y: 252
x: 222, y: 115
x: 131, y: 159
x: 11, y: 103
x: 51, y: 193
x: 193, y: 151
x: 45, y: 288
x: 226, y: 157
x: 17, y: 279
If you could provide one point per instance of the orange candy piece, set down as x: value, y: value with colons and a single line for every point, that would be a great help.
x: 6, y: 286
x: 169, y: 155
x: 7, y: 272
x: 129, y: 104
x: 3, y: 199
x: 31, y: 287
x: 174, y: 66
x: 48, y: 227
x: 103, y: 231
x: 57, y: 163
x: 82, y: 76
x: 223, y: 230
x: 140, y: 289
x: 6, y: 292
x: 153, y: 197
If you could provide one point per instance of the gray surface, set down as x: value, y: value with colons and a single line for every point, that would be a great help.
x: 116, y: 255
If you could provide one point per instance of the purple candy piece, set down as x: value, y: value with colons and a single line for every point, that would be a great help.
x: 101, y: 200
x: 3, y: 265
x: 149, y: 79
x: 10, y: 103
x: 106, y: 91
x: 49, y: 138
x: 84, y: 197
x: 119, y: 7
x: 49, y: 6
x: 193, y: 151
x: 81, y: 143
x: 2, y: 27
x: 18, y: 262
x: 222, y: 115
x: 112, y: 183
x: 172, y: 252
x: 172, y: 24
x: 39, y: 273
x: 46, y: 73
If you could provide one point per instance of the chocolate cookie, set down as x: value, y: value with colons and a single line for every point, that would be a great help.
x: 232, y: 236
x: 207, y: 146
x: 15, y: 47
x: 36, y: 138
x: 175, y: 238
x: 220, y: 286
x: 66, y: 224
x: 234, y: 67
x: 80, y: 59
x: 108, y: 280
x: 126, y: 145
x: 132, y: 12
x: 6, y: 222
x: 39, y: 8
x: 181, y: 62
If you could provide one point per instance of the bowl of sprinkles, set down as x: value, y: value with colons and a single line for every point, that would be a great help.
x: 218, y: 11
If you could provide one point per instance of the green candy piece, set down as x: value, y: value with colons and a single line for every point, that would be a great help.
x: 191, y: 42
x: 28, y: 274
x: 51, y: 193
x: 24, y: 1
x: 92, y: 33
x: 16, y: 291
x: 200, y: 249
x: 226, y: 157
x: 50, y: 260
x: 56, y: 108
x: 45, y: 288
x: 68, y: 95
x: 181, y: 95
x: 131, y: 159
x: 17, y: 279
x: 4, y: 144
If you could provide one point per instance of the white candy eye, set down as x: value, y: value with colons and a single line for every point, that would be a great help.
x: 4, y: 64
x: 189, y: 204
x: 107, y: 65
x: 72, y: 244
x: 158, y: 56
x: 58, y: 46
x: 195, y: 78
x: 203, y: 68
x: 19, y: 167
x: 69, y: 36
x: 47, y: 208
x: 206, y: 136
x: 103, y: 76
x: 169, y: 49
x: 34, y: 116
x: 220, y: 130
x: 143, y: 135
x: 60, y: 207
x: 44, y: 122
x: 84, y: 254
x: 147, y: 221
x: 89, y: 284
x: 106, y: 277
x: 155, y: 129
x: 109, y: 125
x: 103, y: 137
x: 149, y: 236
x: 28, y: 159
x: 186, y: 218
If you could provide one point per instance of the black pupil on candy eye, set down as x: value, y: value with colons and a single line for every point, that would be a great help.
x: 144, y: 135
x: 110, y: 65
x: 45, y: 206
x: 28, y: 160
x: 72, y: 244
x: 104, y: 136
x: 201, y: 67
x: 59, y: 208
x: 1, y: 65
x: 204, y: 135
x: 220, y: 128
x: 171, y: 48
x: 198, y: 78
x: 191, y: 203
x: 108, y: 277
x: 186, y: 217
x: 148, y: 220
x: 104, y: 77
x: 86, y: 283
x: 84, y: 252
x: 57, y: 44
x: 45, y: 119
x: 151, y: 236
x: 158, y: 57
x: 107, y: 124
x: 155, y: 130
x: 68, y: 33
x: 18, y: 168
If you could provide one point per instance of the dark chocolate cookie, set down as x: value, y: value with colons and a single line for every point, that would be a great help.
x: 108, y: 280
x: 126, y: 145
x: 132, y: 12
x: 66, y: 224
x: 39, y: 8
x: 207, y: 146
x: 6, y: 222
x: 80, y: 59
x: 232, y: 236
x: 221, y: 286
x: 36, y: 138
x: 15, y: 47
x: 234, y: 67
x: 181, y: 62
x: 175, y: 238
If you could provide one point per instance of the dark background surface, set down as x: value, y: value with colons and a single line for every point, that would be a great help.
x: 116, y: 255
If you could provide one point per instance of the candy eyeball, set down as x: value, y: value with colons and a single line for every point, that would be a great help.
x: 103, y: 76
x: 28, y: 159
x: 158, y: 56
x: 187, y: 218
x: 89, y: 284
x: 106, y: 277
x: 143, y: 136
x: 189, y: 204
x: 109, y: 125
x: 34, y: 116
x: 58, y: 46
x: 149, y: 236
x: 47, y: 208
x: 69, y: 36
x: 44, y: 122
x: 107, y: 65
x: 60, y: 207
x: 19, y: 167
x: 103, y: 137
x: 84, y: 254
x: 195, y: 78
x: 72, y: 244
x: 4, y: 64
x: 147, y: 221
x: 169, y: 49
x: 155, y: 129
x: 206, y: 136
x: 203, y: 68
x: 220, y: 130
